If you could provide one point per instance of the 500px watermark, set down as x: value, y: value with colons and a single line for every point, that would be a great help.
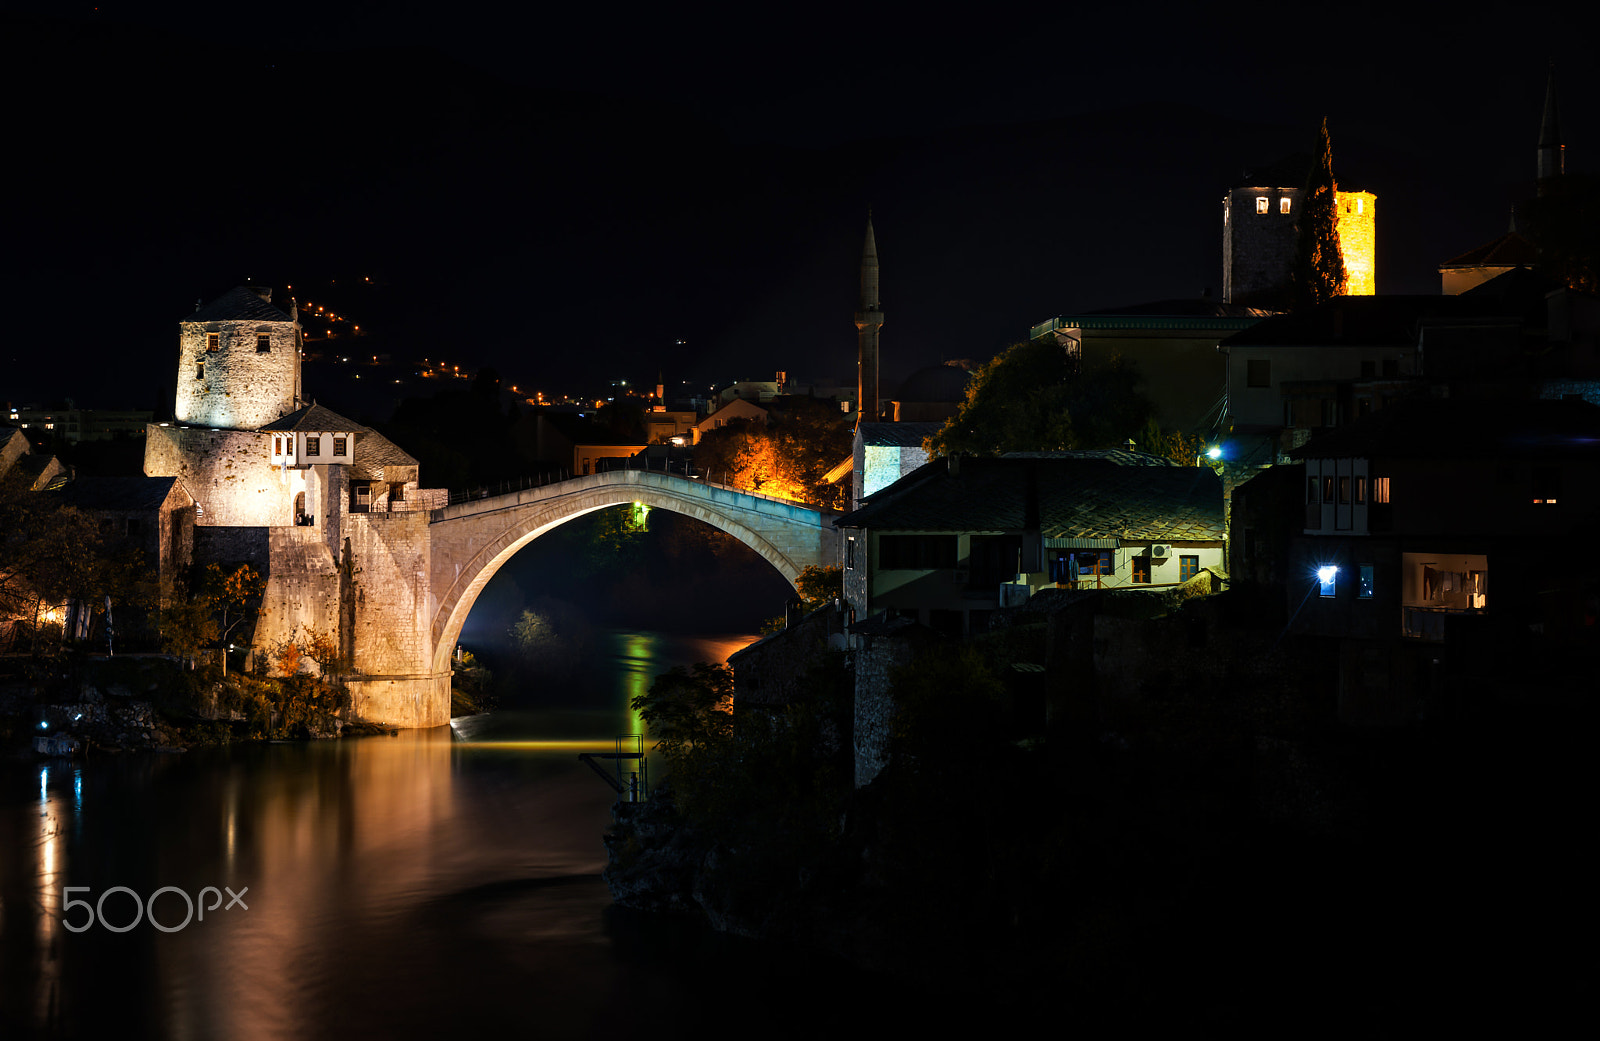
x: 143, y: 908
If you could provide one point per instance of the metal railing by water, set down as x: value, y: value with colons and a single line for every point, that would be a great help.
x: 635, y: 785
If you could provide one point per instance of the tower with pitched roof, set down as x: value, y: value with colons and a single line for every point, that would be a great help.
x: 238, y: 362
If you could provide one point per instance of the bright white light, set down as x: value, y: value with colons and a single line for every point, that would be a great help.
x: 1326, y: 572
x: 1215, y: 452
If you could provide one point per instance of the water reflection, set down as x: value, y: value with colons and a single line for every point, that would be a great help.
x: 405, y: 886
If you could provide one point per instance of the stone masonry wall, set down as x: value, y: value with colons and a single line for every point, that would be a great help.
x: 1258, y: 248
x: 236, y: 387
x: 874, y: 715
x: 1358, y: 241
x: 229, y: 473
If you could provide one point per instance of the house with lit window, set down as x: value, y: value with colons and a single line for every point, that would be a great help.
x: 959, y: 538
x: 1442, y: 538
x: 1294, y: 376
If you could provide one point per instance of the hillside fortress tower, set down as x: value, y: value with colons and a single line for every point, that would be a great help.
x: 238, y: 362
x: 1260, y: 221
x: 869, y: 319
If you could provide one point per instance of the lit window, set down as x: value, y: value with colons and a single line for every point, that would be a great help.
x: 213, y: 342
x: 200, y: 371
x: 263, y: 343
x: 1361, y: 205
x: 1361, y: 491
x: 1546, y: 485
x: 1327, y: 489
x: 1364, y: 582
x: 314, y: 445
x: 1283, y: 204
x: 277, y: 446
x: 1188, y: 567
x: 339, y: 446
x: 1141, y: 570
x: 1327, y: 576
x: 1261, y: 204
x: 1380, y: 489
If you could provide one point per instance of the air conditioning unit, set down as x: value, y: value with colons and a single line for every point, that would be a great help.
x: 1160, y: 551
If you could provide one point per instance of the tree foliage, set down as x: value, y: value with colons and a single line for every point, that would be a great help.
x: 689, y: 711
x: 787, y: 458
x: 52, y: 553
x: 204, y: 611
x: 1036, y: 397
x: 1318, y: 273
x: 771, y: 779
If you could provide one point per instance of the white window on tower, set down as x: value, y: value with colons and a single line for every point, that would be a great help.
x: 1283, y: 204
x: 1262, y: 202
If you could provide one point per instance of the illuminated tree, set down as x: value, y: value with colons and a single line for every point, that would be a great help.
x: 1318, y: 273
x: 208, y: 610
x: 787, y: 459
x: 52, y: 553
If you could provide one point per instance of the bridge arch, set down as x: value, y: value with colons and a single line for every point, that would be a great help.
x: 471, y: 541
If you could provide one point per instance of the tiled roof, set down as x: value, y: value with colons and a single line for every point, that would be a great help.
x: 1190, y: 307
x: 374, y: 451
x: 1464, y: 427
x: 1361, y: 321
x: 1509, y: 250
x: 897, y: 435
x: 314, y: 419
x: 1120, y: 456
x: 238, y: 304
x: 1061, y: 496
x: 118, y: 493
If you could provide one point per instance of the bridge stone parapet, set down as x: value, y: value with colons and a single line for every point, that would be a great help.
x: 472, y: 540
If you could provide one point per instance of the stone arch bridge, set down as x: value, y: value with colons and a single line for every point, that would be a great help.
x: 472, y: 540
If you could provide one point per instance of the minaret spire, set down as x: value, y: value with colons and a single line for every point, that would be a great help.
x: 869, y: 319
x: 1552, y: 153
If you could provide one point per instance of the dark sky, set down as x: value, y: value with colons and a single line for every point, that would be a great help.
x: 565, y: 195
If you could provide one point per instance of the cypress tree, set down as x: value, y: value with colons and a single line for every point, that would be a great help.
x: 1318, y: 273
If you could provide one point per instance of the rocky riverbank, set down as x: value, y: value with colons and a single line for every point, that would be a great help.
x: 156, y: 703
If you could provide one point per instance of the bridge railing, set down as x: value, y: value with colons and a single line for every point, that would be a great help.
x: 674, y: 468
x: 421, y: 500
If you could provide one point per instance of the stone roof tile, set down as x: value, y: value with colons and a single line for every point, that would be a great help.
x: 239, y: 304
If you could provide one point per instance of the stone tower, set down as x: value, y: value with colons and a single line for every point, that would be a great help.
x: 1259, y: 227
x: 1552, y: 153
x: 238, y: 362
x: 869, y: 319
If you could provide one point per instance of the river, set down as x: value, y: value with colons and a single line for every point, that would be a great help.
x: 431, y: 883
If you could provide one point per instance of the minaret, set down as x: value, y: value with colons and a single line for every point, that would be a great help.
x: 1552, y: 159
x: 869, y: 319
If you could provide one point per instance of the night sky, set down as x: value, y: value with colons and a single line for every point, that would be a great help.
x: 566, y: 195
